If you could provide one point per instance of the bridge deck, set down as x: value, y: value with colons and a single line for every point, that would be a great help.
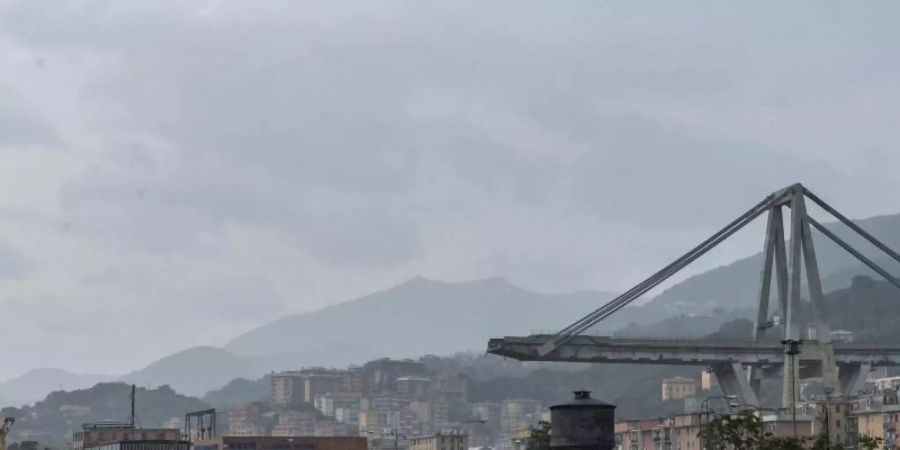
x: 683, y: 352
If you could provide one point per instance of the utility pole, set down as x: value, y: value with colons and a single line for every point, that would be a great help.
x: 704, y: 408
x: 131, y: 418
x: 828, y: 404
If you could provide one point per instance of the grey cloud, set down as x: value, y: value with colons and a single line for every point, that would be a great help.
x: 639, y: 171
x: 363, y: 237
x: 324, y: 102
x: 21, y: 126
x: 175, y: 210
x: 264, y: 119
x: 467, y: 139
x: 13, y: 264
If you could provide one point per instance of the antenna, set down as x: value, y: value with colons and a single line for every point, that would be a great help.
x: 131, y: 420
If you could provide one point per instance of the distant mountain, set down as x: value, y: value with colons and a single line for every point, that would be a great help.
x: 193, y: 371
x: 35, y: 384
x: 736, y: 285
x: 198, y: 370
x: 409, y: 320
x: 53, y: 419
x: 684, y: 326
x: 239, y: 391
x: 419, y: 317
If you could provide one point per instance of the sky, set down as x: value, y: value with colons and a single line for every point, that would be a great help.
x: 175, y: 173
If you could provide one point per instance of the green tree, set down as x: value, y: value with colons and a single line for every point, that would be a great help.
x: 781, y: 443
x: 822, y: 442
x: 870, y: 443
x: 743, y: 431
x: 540, y: 437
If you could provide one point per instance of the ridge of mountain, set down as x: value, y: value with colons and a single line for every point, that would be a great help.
x: 35, y: 384
x: 414, y: 318
x: 736, y: 285
x: 191, y: 370
x: 422, y: 316
x: 57, y: 415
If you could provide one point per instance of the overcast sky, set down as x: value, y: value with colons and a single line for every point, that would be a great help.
x: 172, y: 174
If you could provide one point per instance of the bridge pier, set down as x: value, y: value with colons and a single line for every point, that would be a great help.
x: 853, y: 377
x: 734, y: 380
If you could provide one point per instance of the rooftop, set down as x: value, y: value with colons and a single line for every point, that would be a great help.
x: 679, y: 380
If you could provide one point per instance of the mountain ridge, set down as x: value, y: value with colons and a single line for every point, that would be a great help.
x: 36, y: 383
x: 407, y: 305
x: 736, y: 284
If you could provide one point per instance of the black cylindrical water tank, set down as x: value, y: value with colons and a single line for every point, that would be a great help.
x: 582, y: 424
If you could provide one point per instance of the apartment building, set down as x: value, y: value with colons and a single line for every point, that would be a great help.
x: 97, y: 434
x: 246, y: 420
x: 520, y: 413
x: 678, y: 388
x: 451, y: 441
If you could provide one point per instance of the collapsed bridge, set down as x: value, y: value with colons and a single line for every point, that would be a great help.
x: 740, y: 366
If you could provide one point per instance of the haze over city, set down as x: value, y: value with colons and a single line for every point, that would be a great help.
x: 174, y: 174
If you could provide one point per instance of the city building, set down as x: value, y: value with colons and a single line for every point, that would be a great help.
x: 842, y: 336
x: 620, y: 429
x: 519, y: 440
x: 686, y: 431
x: 662, y: 435
x: 381, y: 421
x: 424, y: 413
x: 877, y: 417
x: 519, y: 414
x: 246, y: 420
x: 877, y: 372
x: 835, y: 418
x: 347, y: 414
x: 678, y: 388
x: 885, y: 384
x: 144, y: 445
x: 97, y: 434
x: 388, y: 440
x: 74, y: 411
x: 454, y: 390
x: 381, y: 375
x: 486, y: 435
x: 782, y: 425
x: 317, y: 382
x: 645, y: 434
x: 304, y: 385
x: 329, y: 403
x: 871, y: 422
x: 295, y: 423
x: 707, y: 380
x: 332, y: 428
x: 439, y: 441
x: 286, y: 388
x: 487, y: 411
x: 416, y: 387
x: 282, y: 443
x: 353, y: 381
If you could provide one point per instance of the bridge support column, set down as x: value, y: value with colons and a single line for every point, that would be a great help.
x: 789, y: 386
x: 733, y: 379
x: 853, y: 377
